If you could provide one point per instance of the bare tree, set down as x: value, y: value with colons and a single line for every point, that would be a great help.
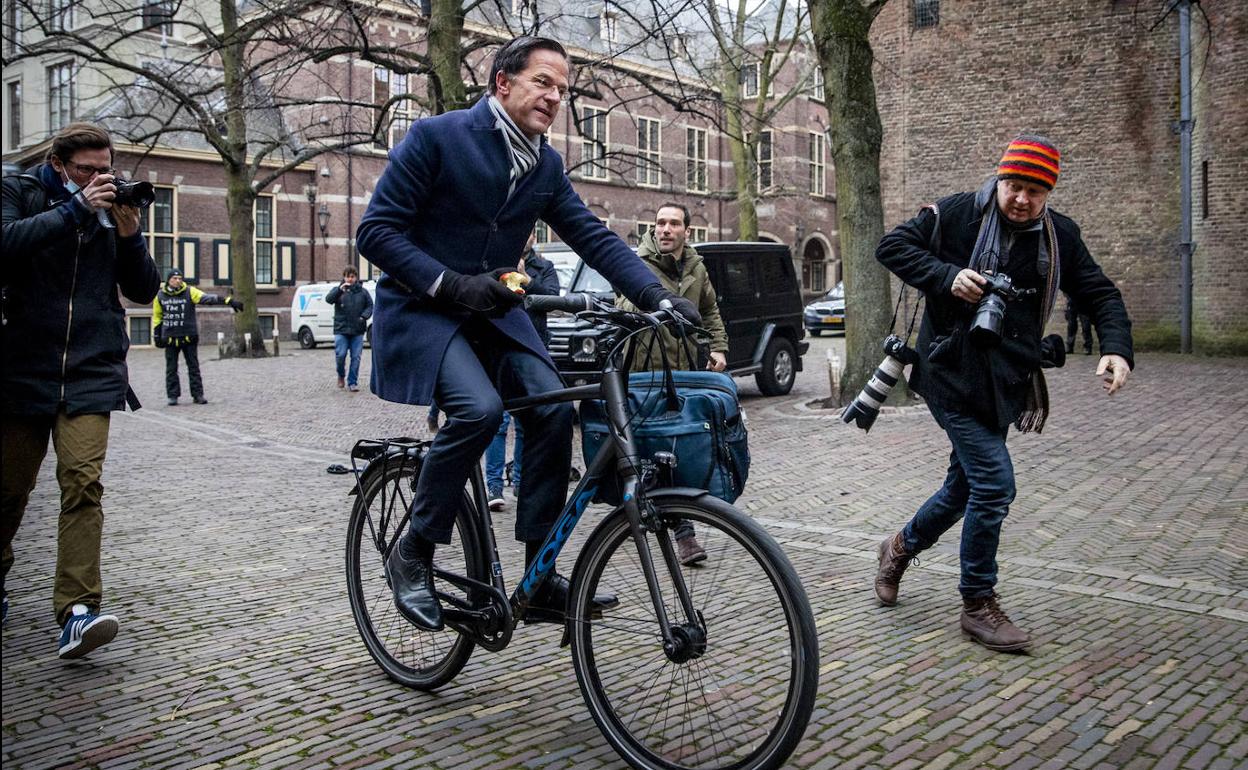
x: 841, y: 29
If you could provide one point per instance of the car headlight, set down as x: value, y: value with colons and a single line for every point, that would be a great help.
x: 588, y: 346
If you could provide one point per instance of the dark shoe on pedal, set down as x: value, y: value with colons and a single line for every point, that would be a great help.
x: 988, y: 624
x: 893, y: 562
x: 690, y: 551
x: 551, y: 602
x: 412, y: 583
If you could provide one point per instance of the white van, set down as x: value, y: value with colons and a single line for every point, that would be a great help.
x: 312, y: 318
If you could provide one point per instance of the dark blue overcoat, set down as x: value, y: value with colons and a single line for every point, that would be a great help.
x: 442, y: 204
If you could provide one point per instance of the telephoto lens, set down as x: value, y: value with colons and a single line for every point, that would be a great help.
x: 866, y: 407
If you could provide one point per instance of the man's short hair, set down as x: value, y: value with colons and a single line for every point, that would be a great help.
x: 350, y: 270
x: 79, y: 136
x: 512, y: 58
x: 669, y: 205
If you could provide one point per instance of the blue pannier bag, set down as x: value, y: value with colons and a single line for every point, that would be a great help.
x: 694, y: 415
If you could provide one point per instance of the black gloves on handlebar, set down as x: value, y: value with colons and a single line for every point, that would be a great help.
x: 482, y: 293
x: 653, y: 295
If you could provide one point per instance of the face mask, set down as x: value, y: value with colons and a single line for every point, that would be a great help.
x: 74, y: 188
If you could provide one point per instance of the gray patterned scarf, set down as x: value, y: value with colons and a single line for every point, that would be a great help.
x: 524, y: 151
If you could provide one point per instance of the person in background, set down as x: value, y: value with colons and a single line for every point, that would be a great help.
x: 176, y: 329
x: 353, y: 306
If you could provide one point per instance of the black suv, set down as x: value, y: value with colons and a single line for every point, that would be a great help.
x: 759, y: 301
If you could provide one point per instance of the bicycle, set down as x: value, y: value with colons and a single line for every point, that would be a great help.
x: 685, y: 672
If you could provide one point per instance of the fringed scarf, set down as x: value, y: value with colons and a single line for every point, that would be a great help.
x: 986, y: 258
x: 524, y: 151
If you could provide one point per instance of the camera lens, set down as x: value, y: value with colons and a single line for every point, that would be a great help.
x: 989, y: 316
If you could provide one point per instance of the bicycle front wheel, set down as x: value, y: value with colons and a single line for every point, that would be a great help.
x: 419, y: 659
x: 738, y: 688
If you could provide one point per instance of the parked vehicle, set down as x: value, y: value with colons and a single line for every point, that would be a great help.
x: 564, y: 260
x: 312, y: 318
x: 826, y: 314
x: 759, y: 301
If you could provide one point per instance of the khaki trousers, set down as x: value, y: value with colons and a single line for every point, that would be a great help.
x: 80, y: 443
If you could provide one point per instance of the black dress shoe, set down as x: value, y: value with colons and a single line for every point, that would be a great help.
x: 412, y: 583
x: 551, y: 602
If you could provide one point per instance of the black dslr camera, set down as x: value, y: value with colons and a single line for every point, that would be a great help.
x: 990, y: 313
x: 137, y: 194
x: 866, y: 407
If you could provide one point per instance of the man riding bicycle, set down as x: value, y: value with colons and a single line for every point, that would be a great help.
x: 449, y: 217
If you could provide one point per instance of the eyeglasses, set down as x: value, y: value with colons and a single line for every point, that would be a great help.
x: 543, y: 84
x: 85, y: 170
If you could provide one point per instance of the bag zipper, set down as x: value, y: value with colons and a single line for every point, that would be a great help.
x: 69, y: 322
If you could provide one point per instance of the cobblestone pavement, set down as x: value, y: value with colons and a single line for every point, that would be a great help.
x: 1125, y: 555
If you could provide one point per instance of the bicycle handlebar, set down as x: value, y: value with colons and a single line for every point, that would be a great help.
x: 569, y: 303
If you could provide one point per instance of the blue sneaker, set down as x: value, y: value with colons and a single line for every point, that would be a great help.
x: 85, y: 631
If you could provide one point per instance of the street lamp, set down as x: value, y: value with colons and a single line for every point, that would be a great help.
x: 310, y: 190
x: 322, y: 217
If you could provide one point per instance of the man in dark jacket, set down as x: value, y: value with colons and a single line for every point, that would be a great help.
x: 176, y: 328
x: 68, y: 249
x: 353, y: 306
x: 976, y: 384
x: 448, y: 217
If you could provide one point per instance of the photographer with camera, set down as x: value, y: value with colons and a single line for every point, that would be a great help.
x: 990, y: 264
x: 69, y: 245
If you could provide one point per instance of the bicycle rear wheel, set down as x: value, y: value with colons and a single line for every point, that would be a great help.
x: 423, y: 660
x: 738, y: 692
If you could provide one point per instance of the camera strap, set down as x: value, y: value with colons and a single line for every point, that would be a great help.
x: 933, y: 245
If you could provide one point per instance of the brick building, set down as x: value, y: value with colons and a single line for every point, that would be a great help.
x: 956, y: 79
x: 626, y: 152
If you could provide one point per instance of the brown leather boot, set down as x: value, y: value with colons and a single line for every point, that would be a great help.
x: 893, y: 562
x: 988, y: 624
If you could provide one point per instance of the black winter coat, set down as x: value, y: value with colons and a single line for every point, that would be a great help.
x: 65, y: 337
x: 353, y: 307
x: 992, y: 383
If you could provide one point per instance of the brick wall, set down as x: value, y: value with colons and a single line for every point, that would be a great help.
x: 1104, y: 86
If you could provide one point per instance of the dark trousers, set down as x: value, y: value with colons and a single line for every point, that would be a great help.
x: 81, y: 442
x: 1073, y: 321
x: 478, y: 371
x: 978, y: 488
x: 190, y: 350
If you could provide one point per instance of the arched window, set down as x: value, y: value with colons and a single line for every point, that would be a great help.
x: 814, y: 266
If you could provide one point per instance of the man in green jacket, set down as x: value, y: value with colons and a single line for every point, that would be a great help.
x: 680, y: 269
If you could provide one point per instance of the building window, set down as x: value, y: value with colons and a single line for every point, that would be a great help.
x: 649, y: 146
x: 140, y: 329
x: 541, y: 232
x: 816, y: 87
x: 158, y: 16
x: 594, y: 143
x: 926, y: 13
x: 263, y: 214
x: 13, y: 22
x: 817, y: 164
x: 365, y: 268
x: 1204, y: 188
x: 818, y: 275
x: 268, y: 324
x: 763, y: 164
x: 60, y: 96
x: 13, y: 92
x: 395, y: 109
x: 749, y: 80
x: 643, y: 228
x: 699, y: 234
x: 60, y: 15
x: 609, y: 27
x: 159, y: 224
x: 695, y: 160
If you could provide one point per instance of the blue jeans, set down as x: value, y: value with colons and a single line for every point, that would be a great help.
x: 979, y: 488
x: 354, y: 343
x: 496, y: 456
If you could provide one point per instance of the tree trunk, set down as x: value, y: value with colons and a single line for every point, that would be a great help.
x: 240, y: 197
x: 446, y: 80
x: 841, y: 30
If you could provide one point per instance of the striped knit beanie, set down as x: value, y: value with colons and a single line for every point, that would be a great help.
x: 1031, y: 158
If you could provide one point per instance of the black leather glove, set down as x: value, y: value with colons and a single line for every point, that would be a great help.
x: 235, y: 305
x: 482, y: 293
x: 1052, y: 352
x: 652, y: 296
